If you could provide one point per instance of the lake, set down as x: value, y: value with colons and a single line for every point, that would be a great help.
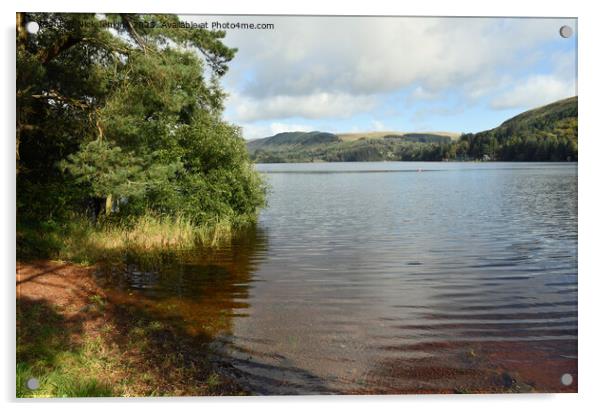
x: 391, y: 278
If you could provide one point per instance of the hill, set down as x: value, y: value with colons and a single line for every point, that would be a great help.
x: 547, y: 133
x: 389, y: 134
x: 369, y: 146
x: 291, y: 140
x: 372, y: 146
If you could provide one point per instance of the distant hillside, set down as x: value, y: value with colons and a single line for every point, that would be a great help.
x: 389, y: 134
x: 291, y: 140
x: 543, y: 117
x: 547, y: 133
x: 371, y: 146
x: 301, y: 146
x: 421, y: 137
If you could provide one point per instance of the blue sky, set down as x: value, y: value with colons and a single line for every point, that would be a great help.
x: 352, y: 74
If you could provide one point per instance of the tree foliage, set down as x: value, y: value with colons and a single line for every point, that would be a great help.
x: 548, y: 133
x: 127, y: 109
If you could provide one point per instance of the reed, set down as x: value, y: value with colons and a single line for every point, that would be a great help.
x: 150, y: 236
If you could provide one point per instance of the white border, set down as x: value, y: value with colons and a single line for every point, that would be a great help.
x: 590, y: 149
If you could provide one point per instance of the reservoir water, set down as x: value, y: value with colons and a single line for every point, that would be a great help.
x: 392, y: 278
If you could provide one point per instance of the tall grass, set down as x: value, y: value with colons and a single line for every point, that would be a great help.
x: 82, y: 241
x: 146, y: 235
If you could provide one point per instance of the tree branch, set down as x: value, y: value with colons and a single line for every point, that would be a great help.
x: 129, y: 26
x: 63, y: 44
x: 53, y: 95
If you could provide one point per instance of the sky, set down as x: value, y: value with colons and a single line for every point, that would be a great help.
x: 356, y: 74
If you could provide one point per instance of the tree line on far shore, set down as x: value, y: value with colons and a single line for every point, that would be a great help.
x: 547, y: 133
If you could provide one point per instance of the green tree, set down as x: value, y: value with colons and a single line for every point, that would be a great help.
x: 128, y: 108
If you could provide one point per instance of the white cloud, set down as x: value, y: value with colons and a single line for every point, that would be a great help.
x: 312, y: 106
x: 420, y: 93
x: 535, y: 91
x: 334, y: 67
x: 370, y: 55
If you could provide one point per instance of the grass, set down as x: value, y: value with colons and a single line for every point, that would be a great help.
x: 101, y: 349
x: 98, y: 303
x: 59, y: 382
x: 82, y: 242
x: 145, y: 236
x: 134, y: 355
x: 46, y: 352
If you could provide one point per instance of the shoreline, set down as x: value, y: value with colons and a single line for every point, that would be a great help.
x: 80, y: 339
x: 419, y: 161
x: 76, y: 341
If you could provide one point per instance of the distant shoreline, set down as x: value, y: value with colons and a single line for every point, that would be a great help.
x: 422, y: 161
x: 547, y: 133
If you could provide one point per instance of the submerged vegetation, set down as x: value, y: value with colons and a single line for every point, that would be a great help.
x: 547, y: 133
x: 120, y: 140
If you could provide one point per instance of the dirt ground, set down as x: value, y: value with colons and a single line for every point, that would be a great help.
x: 69, y: 288
x: 61, y: 309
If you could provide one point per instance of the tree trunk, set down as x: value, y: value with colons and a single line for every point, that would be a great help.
x: 109, y: 204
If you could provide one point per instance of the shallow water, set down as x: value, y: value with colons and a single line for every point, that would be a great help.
x: 391, y: 278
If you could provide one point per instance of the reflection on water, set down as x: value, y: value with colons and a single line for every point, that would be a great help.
x: 390, y: 278
x: 203, y: 289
